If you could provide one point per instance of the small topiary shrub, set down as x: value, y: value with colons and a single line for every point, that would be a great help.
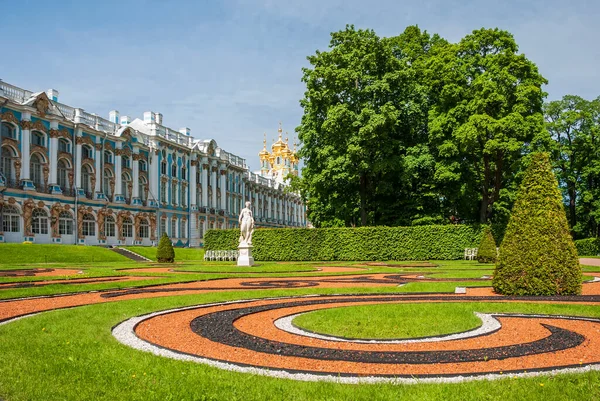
x: 165, y: 252
x: 537, y: 255
x: 487, y: 247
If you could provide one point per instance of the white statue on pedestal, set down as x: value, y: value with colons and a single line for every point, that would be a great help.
x: 246, y: 225
x: 246, y: 228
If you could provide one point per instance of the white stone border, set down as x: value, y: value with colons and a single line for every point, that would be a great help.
x: 125, y: 334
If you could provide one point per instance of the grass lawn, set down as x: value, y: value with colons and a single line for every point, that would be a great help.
x: 181, y: 254
x: 52, y: 253
x: 70, y: 354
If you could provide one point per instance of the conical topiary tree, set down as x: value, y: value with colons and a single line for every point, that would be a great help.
x: 486, y: 252
x: 165, y: 252
x: 537, y: 255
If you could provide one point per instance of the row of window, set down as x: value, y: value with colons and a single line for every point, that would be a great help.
x: 39, y: 223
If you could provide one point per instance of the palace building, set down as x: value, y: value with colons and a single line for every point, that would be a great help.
x: 72, y: 177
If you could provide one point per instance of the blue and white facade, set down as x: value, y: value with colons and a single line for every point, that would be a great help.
x: 68, y: 176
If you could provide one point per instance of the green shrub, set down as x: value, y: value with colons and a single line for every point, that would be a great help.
x: 588, y: 246
x: 364, y: 243
x: 537, y: 255
x: 487, y: 247
x: 165, y: 252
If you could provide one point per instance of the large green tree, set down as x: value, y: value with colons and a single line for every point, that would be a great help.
x: 574, y: 124
x: 489, y: 110
x: 365, y: 110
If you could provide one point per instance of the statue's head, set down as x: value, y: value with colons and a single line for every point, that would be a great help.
x: 248, y: 205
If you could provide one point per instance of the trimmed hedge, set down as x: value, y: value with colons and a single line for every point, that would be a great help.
x: 165, y: 252
x: 487, y: 247
x: 588, y: 246
x: 537, y: 256
x: 364, y: 243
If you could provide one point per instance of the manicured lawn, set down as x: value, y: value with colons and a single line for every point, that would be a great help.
x: 71, y: 355
x: 42, y: 253
x: 181, y: 254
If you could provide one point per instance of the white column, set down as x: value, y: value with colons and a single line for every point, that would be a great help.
x: 99, y: 156
x: 153, y: 177
x: 53, y: 149
x: 193, y: 171
x: 25, y: 149
x: 258, y: 211
x: 213, y: 184
x: 135, y: 195
x: 118, y: 196
x: 223, y: 172
x: 269, y: 213
x: 205, y: 167
x: 78, y: 137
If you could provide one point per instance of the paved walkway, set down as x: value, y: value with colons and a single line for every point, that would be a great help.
x: 589, y: 261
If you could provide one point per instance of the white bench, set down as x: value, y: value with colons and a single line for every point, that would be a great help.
x: 470, y: 253
x: 220, y: 255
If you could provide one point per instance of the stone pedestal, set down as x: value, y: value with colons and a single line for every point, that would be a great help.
x: 245, y: 255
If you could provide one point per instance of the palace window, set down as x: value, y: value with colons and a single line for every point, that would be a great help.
x: 174, y: 170
x: 36, y: 170
x: 6, y: 163
x: 127, y: 230
x: 65, y: 223
x: 173, y: 227
x: 88, y: 227
x: 86, y: 179
x: 126, y: 182
x: 183, y: 229
x: 39, y: 222
x: 64, y: 145
x: 142, y: 189
x: 174, y: 194
x: 8, y: 131
x: 108, y: 157
x: 163, y: 167
x: 86, y: 152
x: 163, y: 226
x: 10, y: 219
x: 200, y: 229
x: 37, y: 138
x: 62, y: 174
x: 144, y: 229
x: 125, y: 162
x: 142, y: 165
x: 106, y: 183
x: 183, y: 173
x: 109, y: 226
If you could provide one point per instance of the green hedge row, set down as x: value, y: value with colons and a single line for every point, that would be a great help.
x: 588, y: 246
x: 364, y: 243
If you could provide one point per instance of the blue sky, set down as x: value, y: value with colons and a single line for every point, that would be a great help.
x: 230, y: 70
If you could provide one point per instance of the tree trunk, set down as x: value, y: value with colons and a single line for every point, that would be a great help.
x: 485, y: 195
x: 572, y: 195
x: 363, y: 200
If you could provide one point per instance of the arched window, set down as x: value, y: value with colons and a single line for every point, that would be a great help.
x: 163, y: 192
x: 163, y: 166
x: 163, y: 226
x: 173, y: 227
x: 108, y: 175
x: 174, y: 193
x: 64, y: 145
x: 127, y: 230
x: 183, y: 229
x: 36, y: 170
x: 125, y: 162
x: 183, y: 173
x: 278, y: 160
x: 142, y: 189
x: 174, y: 170
x: 142, y: 165
x: 86, y: 179
x: 108, y: 158
x: 10, y: 219
x: 109, y: 226
x: 9, y: 131
x: 62, y: 174
x: 144, y: 229
x: 65, y: 223
x: 6, y: 163
x: 86, y: 152
x: 39, y: 221
x: 125, y: 185
x: 37, y: 138
x: 89, y: 225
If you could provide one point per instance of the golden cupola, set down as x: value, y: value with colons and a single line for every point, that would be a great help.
x: 281, y: 161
